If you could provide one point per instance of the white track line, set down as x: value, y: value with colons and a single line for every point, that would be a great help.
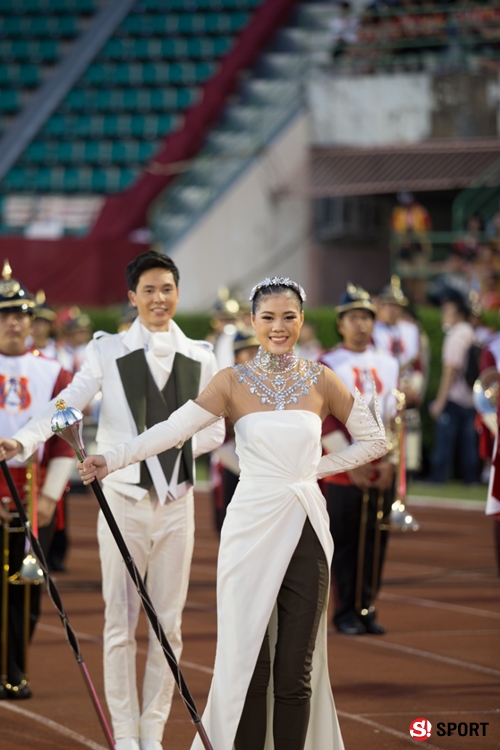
x: 429, y: 655
x: 59, y: 631
x: 387, y: 730
x: 94, y: 639
x: 444, y: 502
x: 439, y: 605
x: 75, y: 736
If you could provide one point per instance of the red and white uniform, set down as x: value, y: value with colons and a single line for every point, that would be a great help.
x: 401, y: 340
x: 361, y: 370
x: 490, y: 357
x: 27, y: 383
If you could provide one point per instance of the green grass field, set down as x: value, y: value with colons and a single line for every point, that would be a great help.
x: 450, y: 490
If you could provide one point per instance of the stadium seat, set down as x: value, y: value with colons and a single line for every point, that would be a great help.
x: 35, y: 50
x: 38, y: 26
x: 130, y: 97
x: 10, y: 100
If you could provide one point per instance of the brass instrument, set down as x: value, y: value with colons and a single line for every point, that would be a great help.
x: 401, y: 519
x: 361, y: 552
x: 29, y: 574
x: 485, y: 396
x: 4, y: 626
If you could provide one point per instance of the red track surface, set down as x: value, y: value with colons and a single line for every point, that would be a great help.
x: 440, y: 658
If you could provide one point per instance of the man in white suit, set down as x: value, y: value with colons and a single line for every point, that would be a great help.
x: 144, y: 374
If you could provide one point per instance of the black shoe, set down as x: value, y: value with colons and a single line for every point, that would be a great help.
x: 19, y: 692
x: 56, y: 564
x: 373, y: 627
x: 350, y: 625
x: 3, y: 692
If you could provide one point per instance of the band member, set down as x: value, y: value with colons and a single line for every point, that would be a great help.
x: 359, y: 501
x: 28, y: 381
x: 399, y: 336
x: 488, y: 443
x: 144, y: 374
x: 42, y: 337
x: 225, y: 469
x: 225, y: 323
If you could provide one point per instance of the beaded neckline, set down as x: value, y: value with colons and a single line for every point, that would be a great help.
x: 276, y: 363
x: 279, y: 388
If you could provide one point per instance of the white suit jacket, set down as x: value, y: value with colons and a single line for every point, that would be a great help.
x: 99, y: 372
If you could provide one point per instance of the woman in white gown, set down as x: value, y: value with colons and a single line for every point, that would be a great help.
x: 271, y: 688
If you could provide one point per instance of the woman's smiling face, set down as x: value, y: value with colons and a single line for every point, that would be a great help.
x: 277, y: 322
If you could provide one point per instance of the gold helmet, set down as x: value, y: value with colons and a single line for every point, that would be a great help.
x: 355, y: 298
x: 14, y: 297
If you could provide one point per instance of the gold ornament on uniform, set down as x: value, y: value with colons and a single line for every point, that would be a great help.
x: 393, y: 293
x: 8, y: 286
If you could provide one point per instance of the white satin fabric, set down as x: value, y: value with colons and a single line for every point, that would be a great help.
x: 279, y: 453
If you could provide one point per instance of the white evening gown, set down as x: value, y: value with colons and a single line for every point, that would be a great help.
x: 280, y: 460
x: 279, y: 453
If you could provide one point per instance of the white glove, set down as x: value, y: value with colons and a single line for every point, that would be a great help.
x: 173, y: 433
x: 365, y: 426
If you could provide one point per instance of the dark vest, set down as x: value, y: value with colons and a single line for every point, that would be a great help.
x: 149, y: 405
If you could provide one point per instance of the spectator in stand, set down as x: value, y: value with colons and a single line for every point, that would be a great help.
x: 485, y: 263
x: 468, y: 244
x: 489, y: 298
x: 410, y: 225
x: 493, y: 229
x: 410, y: 222
x: 344, y: 29
x: 452, y: 279
x: 453, y: 409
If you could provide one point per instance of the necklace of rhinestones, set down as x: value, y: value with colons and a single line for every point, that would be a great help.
x: 292, y: 377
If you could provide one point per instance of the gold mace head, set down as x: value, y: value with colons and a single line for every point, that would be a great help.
x: 60, y: 404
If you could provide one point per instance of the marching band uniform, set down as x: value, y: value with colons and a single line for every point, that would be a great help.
x: 402, y: 340
x: 225, y: 467
x: 358, y: 371
x: 27, y: 383
x: 488, y: 446
x: 143, y: 376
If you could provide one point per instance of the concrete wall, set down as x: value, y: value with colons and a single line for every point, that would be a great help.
x: 254, y: 231
x: 402, y: 107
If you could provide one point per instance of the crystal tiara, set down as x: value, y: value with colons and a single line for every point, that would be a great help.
x: 278, y: 281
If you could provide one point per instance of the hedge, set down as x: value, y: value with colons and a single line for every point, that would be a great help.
x: 197, y: 326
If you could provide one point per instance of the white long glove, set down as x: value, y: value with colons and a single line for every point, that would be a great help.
x: 365, y: 426
x: 180, y: 426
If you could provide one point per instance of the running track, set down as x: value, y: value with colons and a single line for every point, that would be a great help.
x: 440, y: 659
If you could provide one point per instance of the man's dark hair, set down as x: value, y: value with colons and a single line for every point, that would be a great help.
x: 460, y: 304
x: 146, y: 261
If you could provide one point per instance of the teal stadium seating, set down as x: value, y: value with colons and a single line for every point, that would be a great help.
x: 130, y: 97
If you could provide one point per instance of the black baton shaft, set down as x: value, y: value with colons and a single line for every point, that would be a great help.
x: 56, y: 600
x: 150, y: 610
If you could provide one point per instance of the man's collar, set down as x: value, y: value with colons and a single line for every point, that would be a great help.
x: 6, y: 354
x: 134, y: 337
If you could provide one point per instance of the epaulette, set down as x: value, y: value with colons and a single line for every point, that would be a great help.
x: 204, y: 344
x: 102, y: 334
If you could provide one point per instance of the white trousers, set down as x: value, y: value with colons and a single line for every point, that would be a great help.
x: 160, y: 539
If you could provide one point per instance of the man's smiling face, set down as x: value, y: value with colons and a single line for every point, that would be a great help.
x: 156, y: 298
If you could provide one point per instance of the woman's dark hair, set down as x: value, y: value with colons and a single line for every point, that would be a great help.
x: 267, y: 291
x: 145, y: 262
